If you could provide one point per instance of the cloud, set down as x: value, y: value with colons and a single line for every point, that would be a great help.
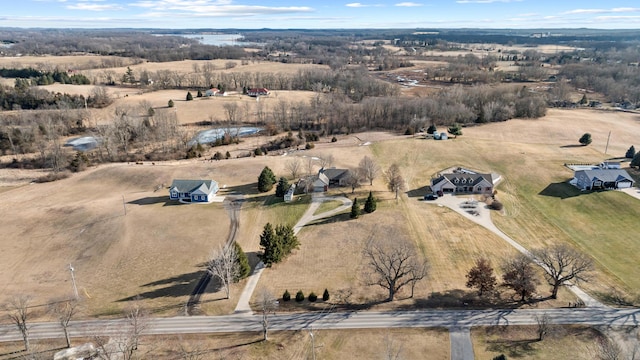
x: 486, y: 1
x: 602, y: 11
x: 408, y: 4
x: 215, y: 8
x: 361, y: 5
x: 94, y: 7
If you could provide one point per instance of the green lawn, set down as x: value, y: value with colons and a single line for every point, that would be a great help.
x: 327, y: 206
x: 540, y: 207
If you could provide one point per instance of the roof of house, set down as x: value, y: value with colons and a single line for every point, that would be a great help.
x: 464, y: 179
x: 606, y: 175
x: 323, y: 178
x: 193, y: 186
x: 258, y: 90
x: 335, y: 174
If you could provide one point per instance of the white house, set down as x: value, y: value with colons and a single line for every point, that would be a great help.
x: 599, y: 179
x: 288, y: 197
x: 211, y: 92
x: 193, y: 190
x: 461, y: 182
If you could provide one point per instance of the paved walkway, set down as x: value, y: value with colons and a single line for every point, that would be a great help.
x: 243, y: 306
x: 483, y: 217
x: 460, y: 342
x: 634, y: 191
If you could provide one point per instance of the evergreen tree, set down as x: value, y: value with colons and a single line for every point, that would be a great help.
x: 189, y: 96
x: 455, y: 129
x: 287, y: 239
x: 630, y: 153
x: 272, y: 250
x: 282, y: 187
x: 432, y: 129
x: 170, y: 103
x: 370, y: 204
x: 266, y: 180
x: 199, y: 94
x: 585, y: 139
x: 244, y: 269
x: 355, y: 209
x: 584, y: 100
x: 325, y: 295
x: 636, y: 160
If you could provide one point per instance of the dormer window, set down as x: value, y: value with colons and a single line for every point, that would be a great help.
x: 464, y: 181
x: 455, y: 181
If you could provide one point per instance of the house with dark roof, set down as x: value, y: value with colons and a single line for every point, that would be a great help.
x: 258, y: 92
x: 320, y: 183
x: 337, y: 177
x: 462, y: 183
x: 602, y: 179
x: 198, y: 191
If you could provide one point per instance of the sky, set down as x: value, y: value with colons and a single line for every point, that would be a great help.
x: 279, y: 14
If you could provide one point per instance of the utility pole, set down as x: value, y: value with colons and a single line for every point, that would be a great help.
x: 73, y: 281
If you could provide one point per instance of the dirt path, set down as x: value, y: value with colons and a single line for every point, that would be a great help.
x: 233, y: 206
x: 479, y: 213
x: 243, y: 305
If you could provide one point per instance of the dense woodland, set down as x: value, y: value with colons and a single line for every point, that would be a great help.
x: 352, y: 95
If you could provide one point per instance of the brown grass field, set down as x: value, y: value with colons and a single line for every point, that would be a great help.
x: 568, y: 342
x: 156, y: 250
x: 329, y: 344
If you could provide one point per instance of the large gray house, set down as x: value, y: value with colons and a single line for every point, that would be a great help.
x: 462, y: 182
x: 193, y: 190
x: 600, y: 179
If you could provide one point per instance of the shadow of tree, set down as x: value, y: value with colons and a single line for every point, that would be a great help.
x: 173, y: 287
x: 150, y: 200
x: 572, y: 146
x: 562, y: 190
x: 332, y: 219
x: 513, y: 348
x: 419, y: 192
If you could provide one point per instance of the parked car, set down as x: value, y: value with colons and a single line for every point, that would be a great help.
x: 430, y: 197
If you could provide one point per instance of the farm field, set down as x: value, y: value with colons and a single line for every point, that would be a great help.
x: 156, y: 251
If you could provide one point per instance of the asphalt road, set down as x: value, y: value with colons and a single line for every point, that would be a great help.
x: 335, y: 320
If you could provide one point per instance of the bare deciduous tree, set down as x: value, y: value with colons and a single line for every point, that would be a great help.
x: 224, y: 266
x: 268, y: 304
x: 352, y: 180
x: 293, y: 166
x: 393, y: 265
x: 563, y: 263
x: 326, y: 161
x: 18, y: 312
x: 368, y: 169
x: 310, y: 165
x: 63, y: 311
x: 395, y: 181
x: 543, y: 327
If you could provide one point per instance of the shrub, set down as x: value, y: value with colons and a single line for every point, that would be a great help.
x: 299, y: 296
x: 334, y: 139
x: 585, y: 139
x: 286, y: 296
x: 217, y: 156
x: 432, y: 129
x: 257, y: 152
x: 309, y: 146
x: 170, y: 103
x: 199, y: 94
x: 227, y: 155
x: 325, y: 295
x: 189, y: 96
x: 410, y: 131
x: 500, y: 357
x: 313, y: 297
x: 496, y: 205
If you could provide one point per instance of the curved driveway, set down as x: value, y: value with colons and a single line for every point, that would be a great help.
x: 243, y: 305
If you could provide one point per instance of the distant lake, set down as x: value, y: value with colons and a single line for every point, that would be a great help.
x: 214, y: 39
x: 210, y: 136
